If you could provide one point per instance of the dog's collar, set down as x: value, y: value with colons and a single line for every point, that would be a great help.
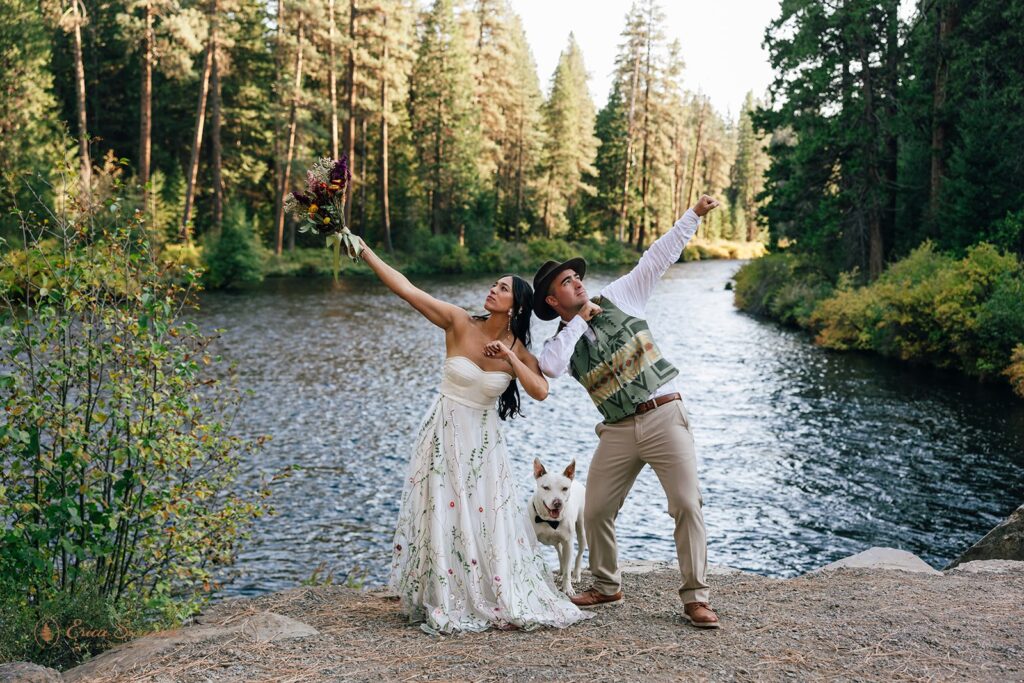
x: 553, y: 523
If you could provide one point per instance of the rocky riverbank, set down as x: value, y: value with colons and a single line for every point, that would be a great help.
x: 880, y: 615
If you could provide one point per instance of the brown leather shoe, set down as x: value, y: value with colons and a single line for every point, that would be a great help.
x: 593, y: 597
x: 700, y: 615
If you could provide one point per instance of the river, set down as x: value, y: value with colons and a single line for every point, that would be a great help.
x: 805, y: 455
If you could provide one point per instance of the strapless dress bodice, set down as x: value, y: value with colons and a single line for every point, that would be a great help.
x: 466, y: 382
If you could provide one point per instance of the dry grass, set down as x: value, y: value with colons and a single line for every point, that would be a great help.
x: 848, y: 624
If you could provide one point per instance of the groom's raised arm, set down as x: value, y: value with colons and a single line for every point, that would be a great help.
x: 631, y: 291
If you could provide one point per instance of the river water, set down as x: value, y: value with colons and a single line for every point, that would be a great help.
x: 805, y: 455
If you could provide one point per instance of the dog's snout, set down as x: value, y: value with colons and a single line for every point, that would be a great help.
x: 556, y: 504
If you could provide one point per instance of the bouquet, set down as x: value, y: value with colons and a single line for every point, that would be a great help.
x: 322, y: 206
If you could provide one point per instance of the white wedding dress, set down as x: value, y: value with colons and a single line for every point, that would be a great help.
x: 465, y: 557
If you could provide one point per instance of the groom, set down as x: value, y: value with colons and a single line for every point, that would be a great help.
x: 606, y: 345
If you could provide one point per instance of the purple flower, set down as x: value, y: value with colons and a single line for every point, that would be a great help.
x: 340, y: 173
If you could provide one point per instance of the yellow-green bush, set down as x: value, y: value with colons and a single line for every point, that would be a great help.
x: 966, y: 313
x: 781, y: 286
x: 1015, y: 371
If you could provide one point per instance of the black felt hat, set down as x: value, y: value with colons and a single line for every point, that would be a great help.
x: 542, y: 282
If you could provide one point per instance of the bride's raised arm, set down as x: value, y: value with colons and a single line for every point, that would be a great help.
x: 441, y: 313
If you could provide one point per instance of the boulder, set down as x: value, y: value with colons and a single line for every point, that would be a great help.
x: 1005, y: 542
x: 256, y: 626
x: 990, y: 567
x: 882, y: 558
x: 27, y: 672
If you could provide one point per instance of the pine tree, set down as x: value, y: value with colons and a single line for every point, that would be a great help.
x: 747, y: 176
x: 445, y: 125
x: 28, y: 109
x: 571, y: 146
x: 521, y: 145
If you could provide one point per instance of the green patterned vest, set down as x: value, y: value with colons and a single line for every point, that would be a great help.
x: 624, y: 367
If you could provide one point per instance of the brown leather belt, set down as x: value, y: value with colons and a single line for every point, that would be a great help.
x: 655, y: 402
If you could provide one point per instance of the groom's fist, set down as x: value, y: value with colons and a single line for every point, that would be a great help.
x: 589, y: 310
x: 704, y: 204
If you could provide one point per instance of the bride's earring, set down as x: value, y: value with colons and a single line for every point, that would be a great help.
x: 509, y: 326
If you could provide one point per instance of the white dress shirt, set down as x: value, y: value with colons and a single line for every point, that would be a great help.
x: 630, y: 293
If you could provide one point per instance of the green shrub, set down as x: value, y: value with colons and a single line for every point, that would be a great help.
x: 176, y: 255
x: 783, y: 286
x: 931, y: 307
x: 118, y: 461
x: 235, y: 257
x: 62, y: 629
x: 543, y: 249
x: 1015, y: 370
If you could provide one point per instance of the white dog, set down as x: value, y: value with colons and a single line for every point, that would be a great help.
x: 556, y: 510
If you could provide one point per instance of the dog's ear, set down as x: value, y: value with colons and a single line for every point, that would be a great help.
x: 570, y: 471
x: 538, y: 469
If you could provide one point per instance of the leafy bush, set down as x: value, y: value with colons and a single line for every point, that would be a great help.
x: 234, y: 257
x: 1015, y: 371
x: 966, y: 313
x: 116, y: 451
x: 783, y: 286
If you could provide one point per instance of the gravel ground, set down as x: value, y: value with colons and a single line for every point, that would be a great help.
x: 849, y: 624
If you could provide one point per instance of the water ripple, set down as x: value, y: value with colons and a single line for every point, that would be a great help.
x: 805, y: 455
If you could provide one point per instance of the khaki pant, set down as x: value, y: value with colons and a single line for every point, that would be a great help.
x: 660, y: 438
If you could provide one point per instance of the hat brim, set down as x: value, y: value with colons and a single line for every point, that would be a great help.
x: 540, y: 289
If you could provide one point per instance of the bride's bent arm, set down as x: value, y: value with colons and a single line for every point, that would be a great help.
x: 524, y: 366
x: 441, y: 313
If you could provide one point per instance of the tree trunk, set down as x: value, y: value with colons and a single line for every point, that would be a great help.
x: 647, y: 134
x: 891, y: 164
x: 215, y: 147
x: 78, y: 17
x: 696, y: 153
x: 278, y: 169
x: 677, y: 169
x: 332, y: 80
x: 146, y: 107
x: 947, y: 17
x: 350, y: 125
x: 197, y: 138
x: 286, y: 174
x: 634, y: 84
x: 435, y: 198
x: 362, y: 174
x: 872, y: 177
x: 385, y: 108
x: 519, y: 178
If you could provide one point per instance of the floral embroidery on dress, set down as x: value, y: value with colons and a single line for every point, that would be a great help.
x: 456, y: 571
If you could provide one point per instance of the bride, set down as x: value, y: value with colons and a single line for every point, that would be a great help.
x: 465, y: 557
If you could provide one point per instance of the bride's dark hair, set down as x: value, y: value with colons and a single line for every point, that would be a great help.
x: 519, y: 323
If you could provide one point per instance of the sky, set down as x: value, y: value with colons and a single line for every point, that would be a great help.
x: 721, y: 42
